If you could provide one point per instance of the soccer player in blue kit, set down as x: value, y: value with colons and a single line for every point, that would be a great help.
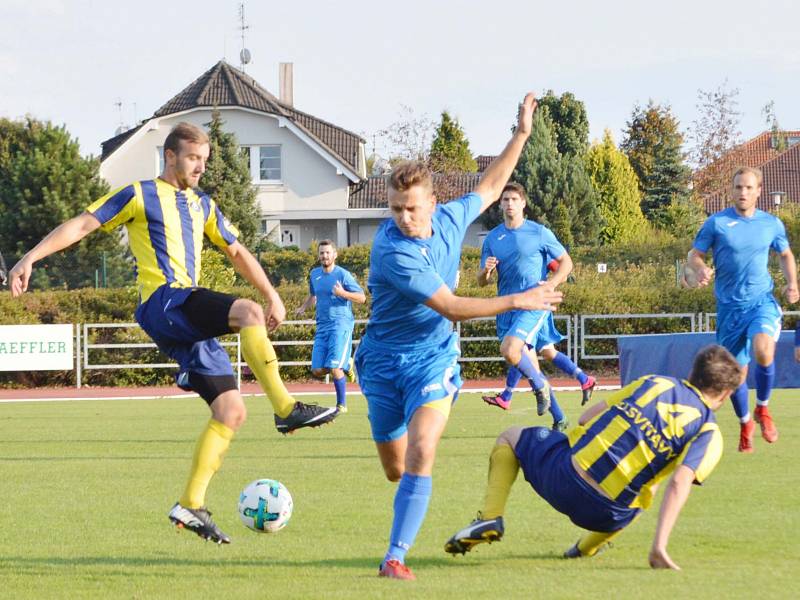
x: 606, y: 471
x: 333, y: 290
x: 518, y: 250
x: 407, y: 360
x: 748, y: 316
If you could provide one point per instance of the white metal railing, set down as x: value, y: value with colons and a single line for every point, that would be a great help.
x: 586, y: 321
x: 577, y: 330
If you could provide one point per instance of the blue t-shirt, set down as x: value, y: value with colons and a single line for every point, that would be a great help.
x: 404, y: 272
x: 332, y: 311
x: 522, y: 255
x: 741, y: 248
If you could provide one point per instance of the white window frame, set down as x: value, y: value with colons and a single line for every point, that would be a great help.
x: 160, y: 160
x: 255, y: 163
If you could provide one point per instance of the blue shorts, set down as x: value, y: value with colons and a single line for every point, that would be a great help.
x: 522, y: 324
x: 548, y: 335
x: 396, y: 384
x: 162, y: 319
x: 736, y: 327
x: 546, y: 462
x: 333, y: 347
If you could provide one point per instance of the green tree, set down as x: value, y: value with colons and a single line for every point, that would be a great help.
x: 228, y: 181
x: 450, y: 148
x: 560, y: 192
x: 618, y: 192
x: 568, y: 119
x: 45, y: 181
x: 654, y: 146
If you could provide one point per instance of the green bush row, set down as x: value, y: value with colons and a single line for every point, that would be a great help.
x: 628, y: 287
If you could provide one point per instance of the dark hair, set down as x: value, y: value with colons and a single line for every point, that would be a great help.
x: 184, y: 131
x: 715, y: 370
x: 327, y: 242
x: 513, y: 186
x: 410, y: 173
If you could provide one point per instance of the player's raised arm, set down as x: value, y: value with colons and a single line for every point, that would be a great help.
x: 497, y: 173
x: 63, y: 236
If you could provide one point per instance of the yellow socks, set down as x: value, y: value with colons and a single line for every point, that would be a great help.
x: 503, y: 467
x: 590, y: 543
x: 211, y: 447
x: 262, y: 360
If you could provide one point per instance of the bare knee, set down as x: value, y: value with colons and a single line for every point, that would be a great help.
x: 245, y: 313
x: 319, y: 373
x: 394, y: 473
x: 511, y: 352
x: 510, y: 436
x: 337, y: 373
x: 229, y: 409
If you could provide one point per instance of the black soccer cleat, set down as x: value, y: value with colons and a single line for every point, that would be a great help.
x: 542, y: 399
x: 305, y: 415
x: 587, y: 389
x: 480, y: 531
x: 199, y: 521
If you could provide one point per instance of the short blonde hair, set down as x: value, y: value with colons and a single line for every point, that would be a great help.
x: 410, y: 173
x: 184, y: 131
x: 752, y: 170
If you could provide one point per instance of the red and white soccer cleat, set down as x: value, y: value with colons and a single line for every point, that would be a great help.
x: 746, y: 436
x: 768, y: 430
x: 394, y: 569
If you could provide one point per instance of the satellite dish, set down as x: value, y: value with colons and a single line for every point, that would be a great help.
x: 244, y: 56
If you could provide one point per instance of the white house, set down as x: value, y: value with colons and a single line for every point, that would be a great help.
x: 310, y: 174
x: 305, y: 169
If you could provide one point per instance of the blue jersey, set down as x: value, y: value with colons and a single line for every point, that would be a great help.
x: 741, y: 248
x: 650, y: 426
x: 332, y: 310
x: 522, y: 255
x: 404, y: 272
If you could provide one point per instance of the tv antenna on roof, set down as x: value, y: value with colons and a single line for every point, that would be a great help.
x: 244, y: 54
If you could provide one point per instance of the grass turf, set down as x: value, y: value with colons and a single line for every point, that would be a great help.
x: 87, y: 485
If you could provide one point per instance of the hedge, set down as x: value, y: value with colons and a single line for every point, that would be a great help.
x: 646, y: 285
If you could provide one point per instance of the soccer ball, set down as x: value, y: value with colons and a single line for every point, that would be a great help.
x: 265, y: 506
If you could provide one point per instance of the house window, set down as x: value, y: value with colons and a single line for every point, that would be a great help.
x: 265, y: 163
x: 160, y: 159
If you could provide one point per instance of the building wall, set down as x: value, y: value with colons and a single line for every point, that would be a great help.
x: 309, y: 182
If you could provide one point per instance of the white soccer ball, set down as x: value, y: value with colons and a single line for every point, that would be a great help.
x: 265, y: 506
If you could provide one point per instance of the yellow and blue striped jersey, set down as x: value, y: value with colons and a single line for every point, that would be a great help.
x: 650, y: 427
x: 165, y: 230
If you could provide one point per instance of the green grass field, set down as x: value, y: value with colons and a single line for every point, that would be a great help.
x: 86, y: 487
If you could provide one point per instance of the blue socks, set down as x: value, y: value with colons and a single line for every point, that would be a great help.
x: 765, y: 378
x: 739, y: 400
x: 563, y: 362
x: 555, y: 409
x: 410, y: 507
x: 340, y: 386
x: 526, y: 367
x: 512, y: 379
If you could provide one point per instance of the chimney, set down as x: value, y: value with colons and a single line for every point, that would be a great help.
x: 286, y: 83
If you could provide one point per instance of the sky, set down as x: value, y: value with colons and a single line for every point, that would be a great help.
x: 357, y: 63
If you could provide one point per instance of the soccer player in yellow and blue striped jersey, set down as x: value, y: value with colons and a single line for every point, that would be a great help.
x: 605, y: 471
x: 166, y: 220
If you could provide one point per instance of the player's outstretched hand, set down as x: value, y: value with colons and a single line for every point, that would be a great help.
x: 525, y: 116
x: 659, y: 559
x: 792, y: 294
x: 19, y: 276
x: 543, y: 297
x: 276, y: 313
